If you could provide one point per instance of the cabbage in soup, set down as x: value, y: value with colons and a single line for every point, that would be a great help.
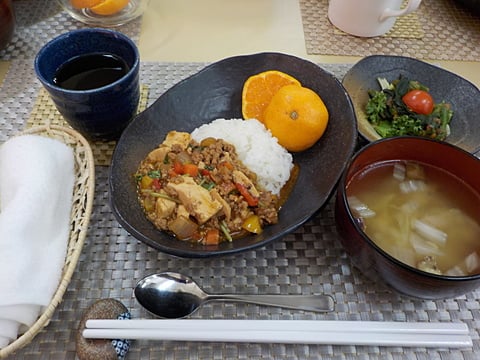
x: 420, y: 214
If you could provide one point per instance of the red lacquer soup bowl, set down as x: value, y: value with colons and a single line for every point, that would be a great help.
x: 371, y: 259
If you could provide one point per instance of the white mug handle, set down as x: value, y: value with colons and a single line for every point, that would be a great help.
x: 411, y: 6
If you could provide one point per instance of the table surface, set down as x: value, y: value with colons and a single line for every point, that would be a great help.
x: 177, y: 39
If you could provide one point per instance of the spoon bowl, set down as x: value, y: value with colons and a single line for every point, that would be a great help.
x: 172, y: 295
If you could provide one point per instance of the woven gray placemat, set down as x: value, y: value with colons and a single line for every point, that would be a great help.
x: 443, y: 31
x: 310, y: 260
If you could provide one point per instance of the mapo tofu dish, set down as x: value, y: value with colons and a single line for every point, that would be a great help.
x: 202, y: 192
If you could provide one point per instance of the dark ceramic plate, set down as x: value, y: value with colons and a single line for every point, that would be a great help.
x: 215, y: 92
x: 444, y: 85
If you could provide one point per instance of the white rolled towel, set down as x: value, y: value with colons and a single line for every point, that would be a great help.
x: 36, y: 187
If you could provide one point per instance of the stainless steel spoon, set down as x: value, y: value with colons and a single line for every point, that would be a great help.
x: 172, y: 295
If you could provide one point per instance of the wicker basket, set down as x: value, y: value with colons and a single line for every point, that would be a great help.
x: 80, y: 217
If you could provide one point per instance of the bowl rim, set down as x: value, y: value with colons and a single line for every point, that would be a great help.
x: 364, y: 128
x: 109, y: 34
x: 366, y: 238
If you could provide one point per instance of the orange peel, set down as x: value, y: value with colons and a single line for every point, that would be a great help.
x: 297, y: 117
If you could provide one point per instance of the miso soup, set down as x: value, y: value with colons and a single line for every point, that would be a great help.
x: 420, y: 214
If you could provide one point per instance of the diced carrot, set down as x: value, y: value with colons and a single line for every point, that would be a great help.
x: 178, y: 168
x: 172, y: 173
x: 212, y: 237
x: 190, y: 169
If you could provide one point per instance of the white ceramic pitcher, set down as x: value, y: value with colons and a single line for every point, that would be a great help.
x: 368, y: 18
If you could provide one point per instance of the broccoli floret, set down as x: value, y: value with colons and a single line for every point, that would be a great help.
x: 401, y: 125
x: 384, y: 129
x: 407, y: 125
x: 376, y: 107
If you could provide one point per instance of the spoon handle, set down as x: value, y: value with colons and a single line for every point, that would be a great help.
x: 316, y: 303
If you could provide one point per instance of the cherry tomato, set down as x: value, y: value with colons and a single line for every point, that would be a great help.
x: 419, y: 101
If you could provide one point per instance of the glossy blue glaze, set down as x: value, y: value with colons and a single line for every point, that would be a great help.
x: 100, y: 113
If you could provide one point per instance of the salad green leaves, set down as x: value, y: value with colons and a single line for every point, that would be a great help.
x: 390, y: 116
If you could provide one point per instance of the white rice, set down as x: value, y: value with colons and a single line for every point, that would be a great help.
x: 256, y: 148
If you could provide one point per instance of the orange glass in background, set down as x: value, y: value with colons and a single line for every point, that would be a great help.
x: 104, y: 13
x: 7, y: 22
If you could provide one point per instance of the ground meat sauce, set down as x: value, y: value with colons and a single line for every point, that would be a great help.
x: 202, y: 192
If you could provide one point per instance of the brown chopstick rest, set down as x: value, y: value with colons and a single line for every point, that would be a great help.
x: 104, y: 349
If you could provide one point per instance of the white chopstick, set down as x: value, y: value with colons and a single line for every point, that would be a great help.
x: 286, y: 331
x: 280, y: 325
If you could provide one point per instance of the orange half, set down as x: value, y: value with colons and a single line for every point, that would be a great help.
x: 259, y: 90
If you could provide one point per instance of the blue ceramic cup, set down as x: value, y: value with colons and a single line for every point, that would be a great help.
x: 99, y: 113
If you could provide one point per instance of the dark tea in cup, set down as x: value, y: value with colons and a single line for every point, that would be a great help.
x: 90, y: 71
